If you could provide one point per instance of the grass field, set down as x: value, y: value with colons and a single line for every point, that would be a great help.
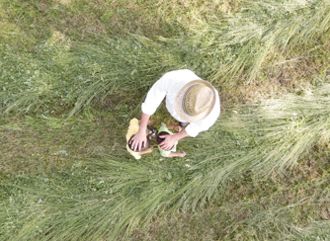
x: 74, y: 72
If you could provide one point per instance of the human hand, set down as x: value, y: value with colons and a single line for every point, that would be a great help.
x: 138, y: 141
x: 168, y: 142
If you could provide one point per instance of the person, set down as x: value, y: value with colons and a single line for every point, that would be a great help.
x: 172, y: 152
x: 193, y: 102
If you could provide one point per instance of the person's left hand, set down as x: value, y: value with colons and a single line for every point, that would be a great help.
x: 168, y: 142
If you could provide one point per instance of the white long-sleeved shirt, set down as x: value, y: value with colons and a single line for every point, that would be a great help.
x: 168, y: 86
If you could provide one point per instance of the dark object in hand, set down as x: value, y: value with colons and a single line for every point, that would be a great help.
x: 160, y: 139
x: 144, y: 147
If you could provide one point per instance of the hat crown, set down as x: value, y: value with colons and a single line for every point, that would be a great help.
x: 198, y: 98
x: 195, y: 100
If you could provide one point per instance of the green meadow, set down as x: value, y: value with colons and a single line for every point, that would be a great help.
x: 74, y: 72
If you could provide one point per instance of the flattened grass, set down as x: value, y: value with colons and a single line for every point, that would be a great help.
x: 111, y: 195
x: 71, y: 179
x: 69, y: 57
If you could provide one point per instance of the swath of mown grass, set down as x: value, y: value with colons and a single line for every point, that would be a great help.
x: 102, y: 198
x: 280, y: 130
x: 122, y: 66
x: 60, y: 75
x: 225, y: 47
x: 239, y: 47
x: 293, y: 206
x: 107, y: 197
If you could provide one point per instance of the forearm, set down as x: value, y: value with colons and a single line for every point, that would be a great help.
x: 180, y: 135
x: 144, y: 122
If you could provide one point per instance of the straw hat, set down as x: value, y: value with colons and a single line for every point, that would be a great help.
x: 195, y: 100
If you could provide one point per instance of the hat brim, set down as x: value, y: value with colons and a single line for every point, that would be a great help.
x: 179, y: 109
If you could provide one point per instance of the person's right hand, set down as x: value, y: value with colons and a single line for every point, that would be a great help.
x: 139, y: 141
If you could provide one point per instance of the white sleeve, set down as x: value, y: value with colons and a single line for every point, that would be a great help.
x: 193, y: 129
x: 155, y: 96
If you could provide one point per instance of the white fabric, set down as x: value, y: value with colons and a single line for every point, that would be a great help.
x: 168, y: 86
